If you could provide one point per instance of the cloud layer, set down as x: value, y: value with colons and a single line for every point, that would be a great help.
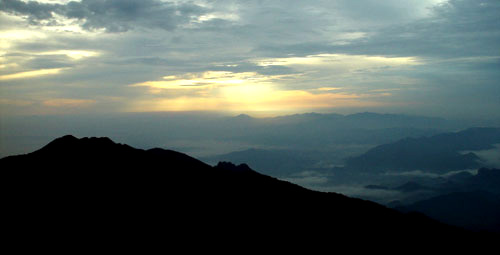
x: 110, y: 15
x: 429, y: 57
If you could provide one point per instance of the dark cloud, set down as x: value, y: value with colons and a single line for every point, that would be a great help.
x: 112, y: 15
x: 36, y: 11
x: 456, y: 29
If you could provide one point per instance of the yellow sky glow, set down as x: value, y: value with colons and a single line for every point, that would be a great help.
x: 247, y: 91
x: 74, y: 54
x: 254, y: 99
x: 68, y: 102
x: 206, y: 79
x: 339, y: 60
x: 30, y: 74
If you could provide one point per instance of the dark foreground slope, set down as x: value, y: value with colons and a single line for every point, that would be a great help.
x: 475, y: 210
x: 94, y: 187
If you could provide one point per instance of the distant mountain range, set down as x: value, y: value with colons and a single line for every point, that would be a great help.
x: 93, y: 186
x: 313, y: 129
x: 368, y: 120
x: 487, y: 180
x: 439, y: 153
x: 405, y: 188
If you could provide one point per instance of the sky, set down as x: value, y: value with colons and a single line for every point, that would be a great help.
x: 428, y: 57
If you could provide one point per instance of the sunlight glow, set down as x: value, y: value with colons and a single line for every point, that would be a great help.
x: 339, y: 60
x: 252, y: 98
x: 21, y: 35
x: 73, y: 54
x: 327, y: 89
x: 205, y: 79
x: 246, y: 91
x: 30, y: 74
x: 68, y: 102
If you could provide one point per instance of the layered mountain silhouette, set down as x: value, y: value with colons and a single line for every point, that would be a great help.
x: 486, y: 180
x: 471, y: 201
x: 440, y: 153
x: 405, y: 188
x: 93, y: 186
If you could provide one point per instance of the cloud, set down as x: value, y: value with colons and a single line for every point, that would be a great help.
x: 68, y: 102
x: 15, y: 102
x: 209, y: 78
x: 308, y: 179
x: 489, y: 158
x: 456, y: 28
x: 421, y: 57
x: 419, y: 173
x: 30, y: 74
x: 244, y: 98
x: 110, y: 15
x: 247, y: 91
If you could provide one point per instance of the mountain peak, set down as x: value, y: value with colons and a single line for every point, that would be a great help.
x: 63, y: 141
x: 69, y: 146
x: 243, y: 117
x: 233, y: 167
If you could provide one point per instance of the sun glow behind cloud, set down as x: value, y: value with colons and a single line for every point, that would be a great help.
x: 340, y: 60
x: 73, y: 54
x: 252, y: 91
x: 30, y: 74
x: 238, y: 100
x: 209, y: 78
x: 246, y: 91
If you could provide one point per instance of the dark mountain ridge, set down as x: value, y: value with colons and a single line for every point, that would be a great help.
x: 93, y: 186
x: 475, y: 210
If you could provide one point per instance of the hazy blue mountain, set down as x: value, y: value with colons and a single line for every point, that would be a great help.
x: 314, y: 129
x: 417, y: 188
x: 411, y: 187
x: 93, y: 186
x: 439, y: 153
x: 408, y: 187
x: 309, y: 141
x: 485, y: 179
x: 366, y: 120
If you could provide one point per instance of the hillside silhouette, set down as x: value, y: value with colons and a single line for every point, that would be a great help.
x: 95, y: 186
x: 475, y: 210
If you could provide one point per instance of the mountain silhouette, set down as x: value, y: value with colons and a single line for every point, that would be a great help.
x: 405, y: 188
x: 93, y: 186
x: 475, y: 210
